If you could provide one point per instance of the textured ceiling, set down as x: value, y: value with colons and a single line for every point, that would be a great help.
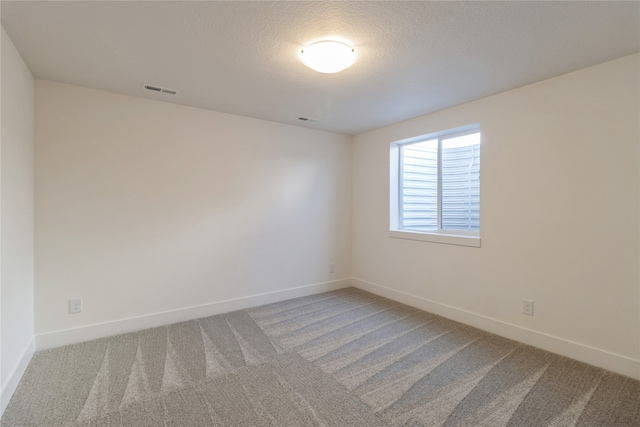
x: 241, y: 57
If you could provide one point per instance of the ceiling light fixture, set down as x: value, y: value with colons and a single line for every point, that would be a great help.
x: 328, y: 56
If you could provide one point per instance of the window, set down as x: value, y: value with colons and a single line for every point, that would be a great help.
x: 435, y: 187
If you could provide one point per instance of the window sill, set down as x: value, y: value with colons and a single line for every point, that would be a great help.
x: 447, y: 239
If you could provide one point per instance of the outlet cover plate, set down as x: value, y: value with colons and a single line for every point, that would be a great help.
x: 75, y: 305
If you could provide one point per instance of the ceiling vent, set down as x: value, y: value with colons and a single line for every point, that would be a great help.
x: 307, y: 119
x: 160, y: 89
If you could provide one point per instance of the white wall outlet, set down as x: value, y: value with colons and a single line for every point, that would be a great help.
x: 332, y: 268
x: 75, y: 305
x: 527, y: 307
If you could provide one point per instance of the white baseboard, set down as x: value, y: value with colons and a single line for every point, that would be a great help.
x: 584, y: 353
x: 10, y: 385
x: 100, y: 330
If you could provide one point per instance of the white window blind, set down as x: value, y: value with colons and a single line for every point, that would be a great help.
x: 440, y: 184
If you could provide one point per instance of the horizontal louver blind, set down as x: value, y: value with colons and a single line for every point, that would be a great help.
x: 419, y: 207
x: 460, y: 187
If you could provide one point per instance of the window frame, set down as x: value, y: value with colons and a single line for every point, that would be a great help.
x: 396, y: 230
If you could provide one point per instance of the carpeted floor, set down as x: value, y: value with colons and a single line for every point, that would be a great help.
x: 343, y: 358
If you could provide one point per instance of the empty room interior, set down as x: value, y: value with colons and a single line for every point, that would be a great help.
x: 204, y: 224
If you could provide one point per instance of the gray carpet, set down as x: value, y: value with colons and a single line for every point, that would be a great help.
x: 343, y: 358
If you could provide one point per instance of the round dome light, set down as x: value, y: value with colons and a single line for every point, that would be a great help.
x: 328, y: 56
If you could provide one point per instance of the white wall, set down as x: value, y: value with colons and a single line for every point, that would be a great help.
x: 16, y: 224
x: 145, y: 207
x: 559, y: 218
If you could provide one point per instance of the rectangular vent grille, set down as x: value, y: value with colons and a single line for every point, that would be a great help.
x: 160, y: 89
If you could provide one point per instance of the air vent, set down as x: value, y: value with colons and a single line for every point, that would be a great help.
x: 161, y: 89
x: 307, y: 119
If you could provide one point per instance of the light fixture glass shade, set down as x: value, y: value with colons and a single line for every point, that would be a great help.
x: 328, y: 56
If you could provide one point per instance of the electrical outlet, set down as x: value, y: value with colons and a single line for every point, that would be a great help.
x: 75, y: 305
x: 332, y: 268
x: 527, y: 307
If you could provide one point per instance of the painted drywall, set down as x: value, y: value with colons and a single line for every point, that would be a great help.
x: 559, y: 213
x: 145, y: 207
x: 16, y: 213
